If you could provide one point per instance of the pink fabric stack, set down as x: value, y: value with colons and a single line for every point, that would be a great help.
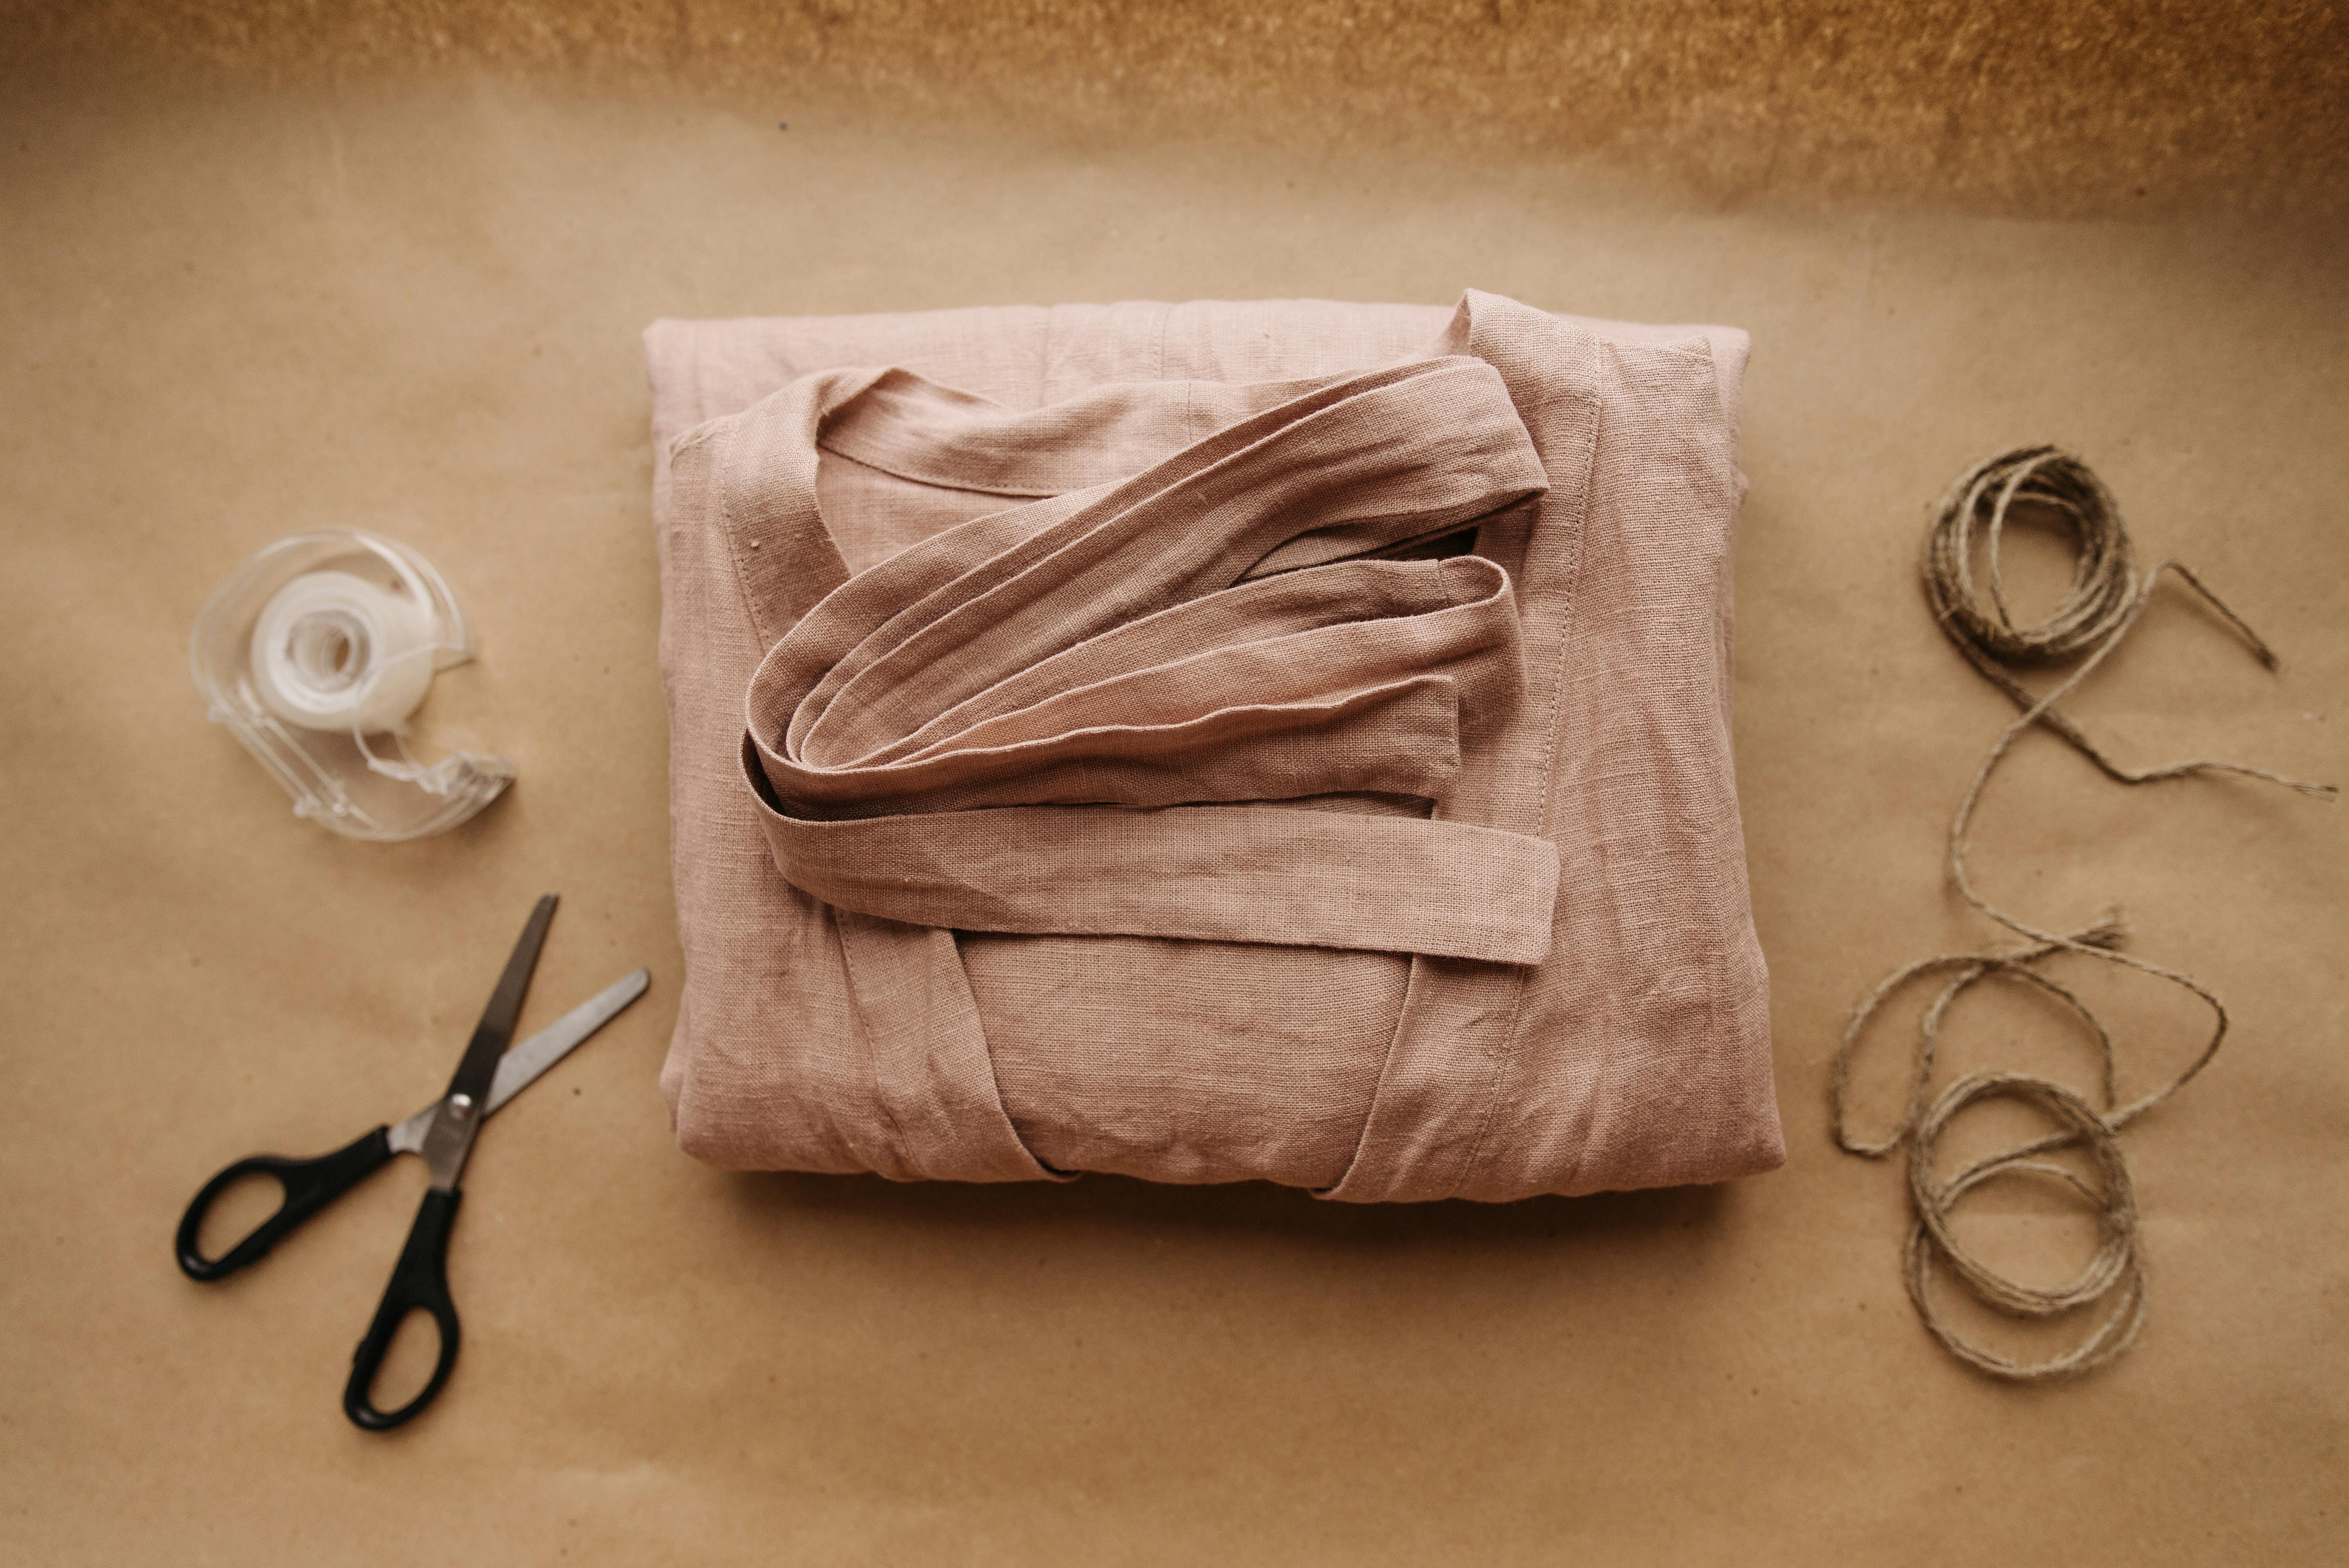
x: 1209, y: 742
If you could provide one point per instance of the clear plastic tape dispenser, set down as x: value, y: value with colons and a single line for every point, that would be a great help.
x: 315, y: 655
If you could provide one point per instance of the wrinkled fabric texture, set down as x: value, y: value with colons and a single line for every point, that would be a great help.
x: 1209, y: 742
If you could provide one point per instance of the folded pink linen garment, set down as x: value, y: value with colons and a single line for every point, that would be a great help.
x: 1209, y: 742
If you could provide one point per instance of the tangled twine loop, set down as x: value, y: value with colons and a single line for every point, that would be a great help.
x: 2106, y: 597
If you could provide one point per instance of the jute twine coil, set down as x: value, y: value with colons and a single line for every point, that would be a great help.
x: 2107, y: 594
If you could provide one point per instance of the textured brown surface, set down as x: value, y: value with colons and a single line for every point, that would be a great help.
x: 2012, y: 105
x: 234, y: 312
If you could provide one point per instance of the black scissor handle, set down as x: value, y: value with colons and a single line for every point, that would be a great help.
x: 420, y: 1282
x: 310, y: 1185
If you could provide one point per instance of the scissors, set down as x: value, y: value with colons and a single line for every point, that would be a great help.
x: 442, y: 1133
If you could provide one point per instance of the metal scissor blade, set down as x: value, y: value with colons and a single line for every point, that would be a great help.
x: 479, y: 1064
x: 520, y: 1067
x: 449, y: 1138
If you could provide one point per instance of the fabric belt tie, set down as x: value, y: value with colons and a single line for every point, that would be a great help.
x: 1181, y: 703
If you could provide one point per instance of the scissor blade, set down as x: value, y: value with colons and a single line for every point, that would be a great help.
x: 480, y: 1064
x: 449, y: 1138
x: 521, y: 1066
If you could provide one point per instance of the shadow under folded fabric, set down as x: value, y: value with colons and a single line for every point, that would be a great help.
x: 775, y: 1203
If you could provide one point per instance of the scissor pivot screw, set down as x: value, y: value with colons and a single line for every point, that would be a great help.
x: 459, y: 1104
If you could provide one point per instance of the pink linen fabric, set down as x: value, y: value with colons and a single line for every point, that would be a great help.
x: 1283, y: 740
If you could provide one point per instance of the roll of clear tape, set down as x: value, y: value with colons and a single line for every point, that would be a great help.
x: 315, y: 654
x: 335, y: 652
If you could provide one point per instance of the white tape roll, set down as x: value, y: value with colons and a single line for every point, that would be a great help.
x: 335, y: 652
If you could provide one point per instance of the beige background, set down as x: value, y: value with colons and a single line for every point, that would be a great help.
x: 240, y: 305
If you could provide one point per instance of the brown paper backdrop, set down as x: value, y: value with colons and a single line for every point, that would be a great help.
x: 2113, y: 106
x: 233, y: 312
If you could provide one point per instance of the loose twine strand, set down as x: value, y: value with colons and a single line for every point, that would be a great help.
x: 2106, y: 597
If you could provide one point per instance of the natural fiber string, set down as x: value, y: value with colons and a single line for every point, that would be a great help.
x: 2106, y: 597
